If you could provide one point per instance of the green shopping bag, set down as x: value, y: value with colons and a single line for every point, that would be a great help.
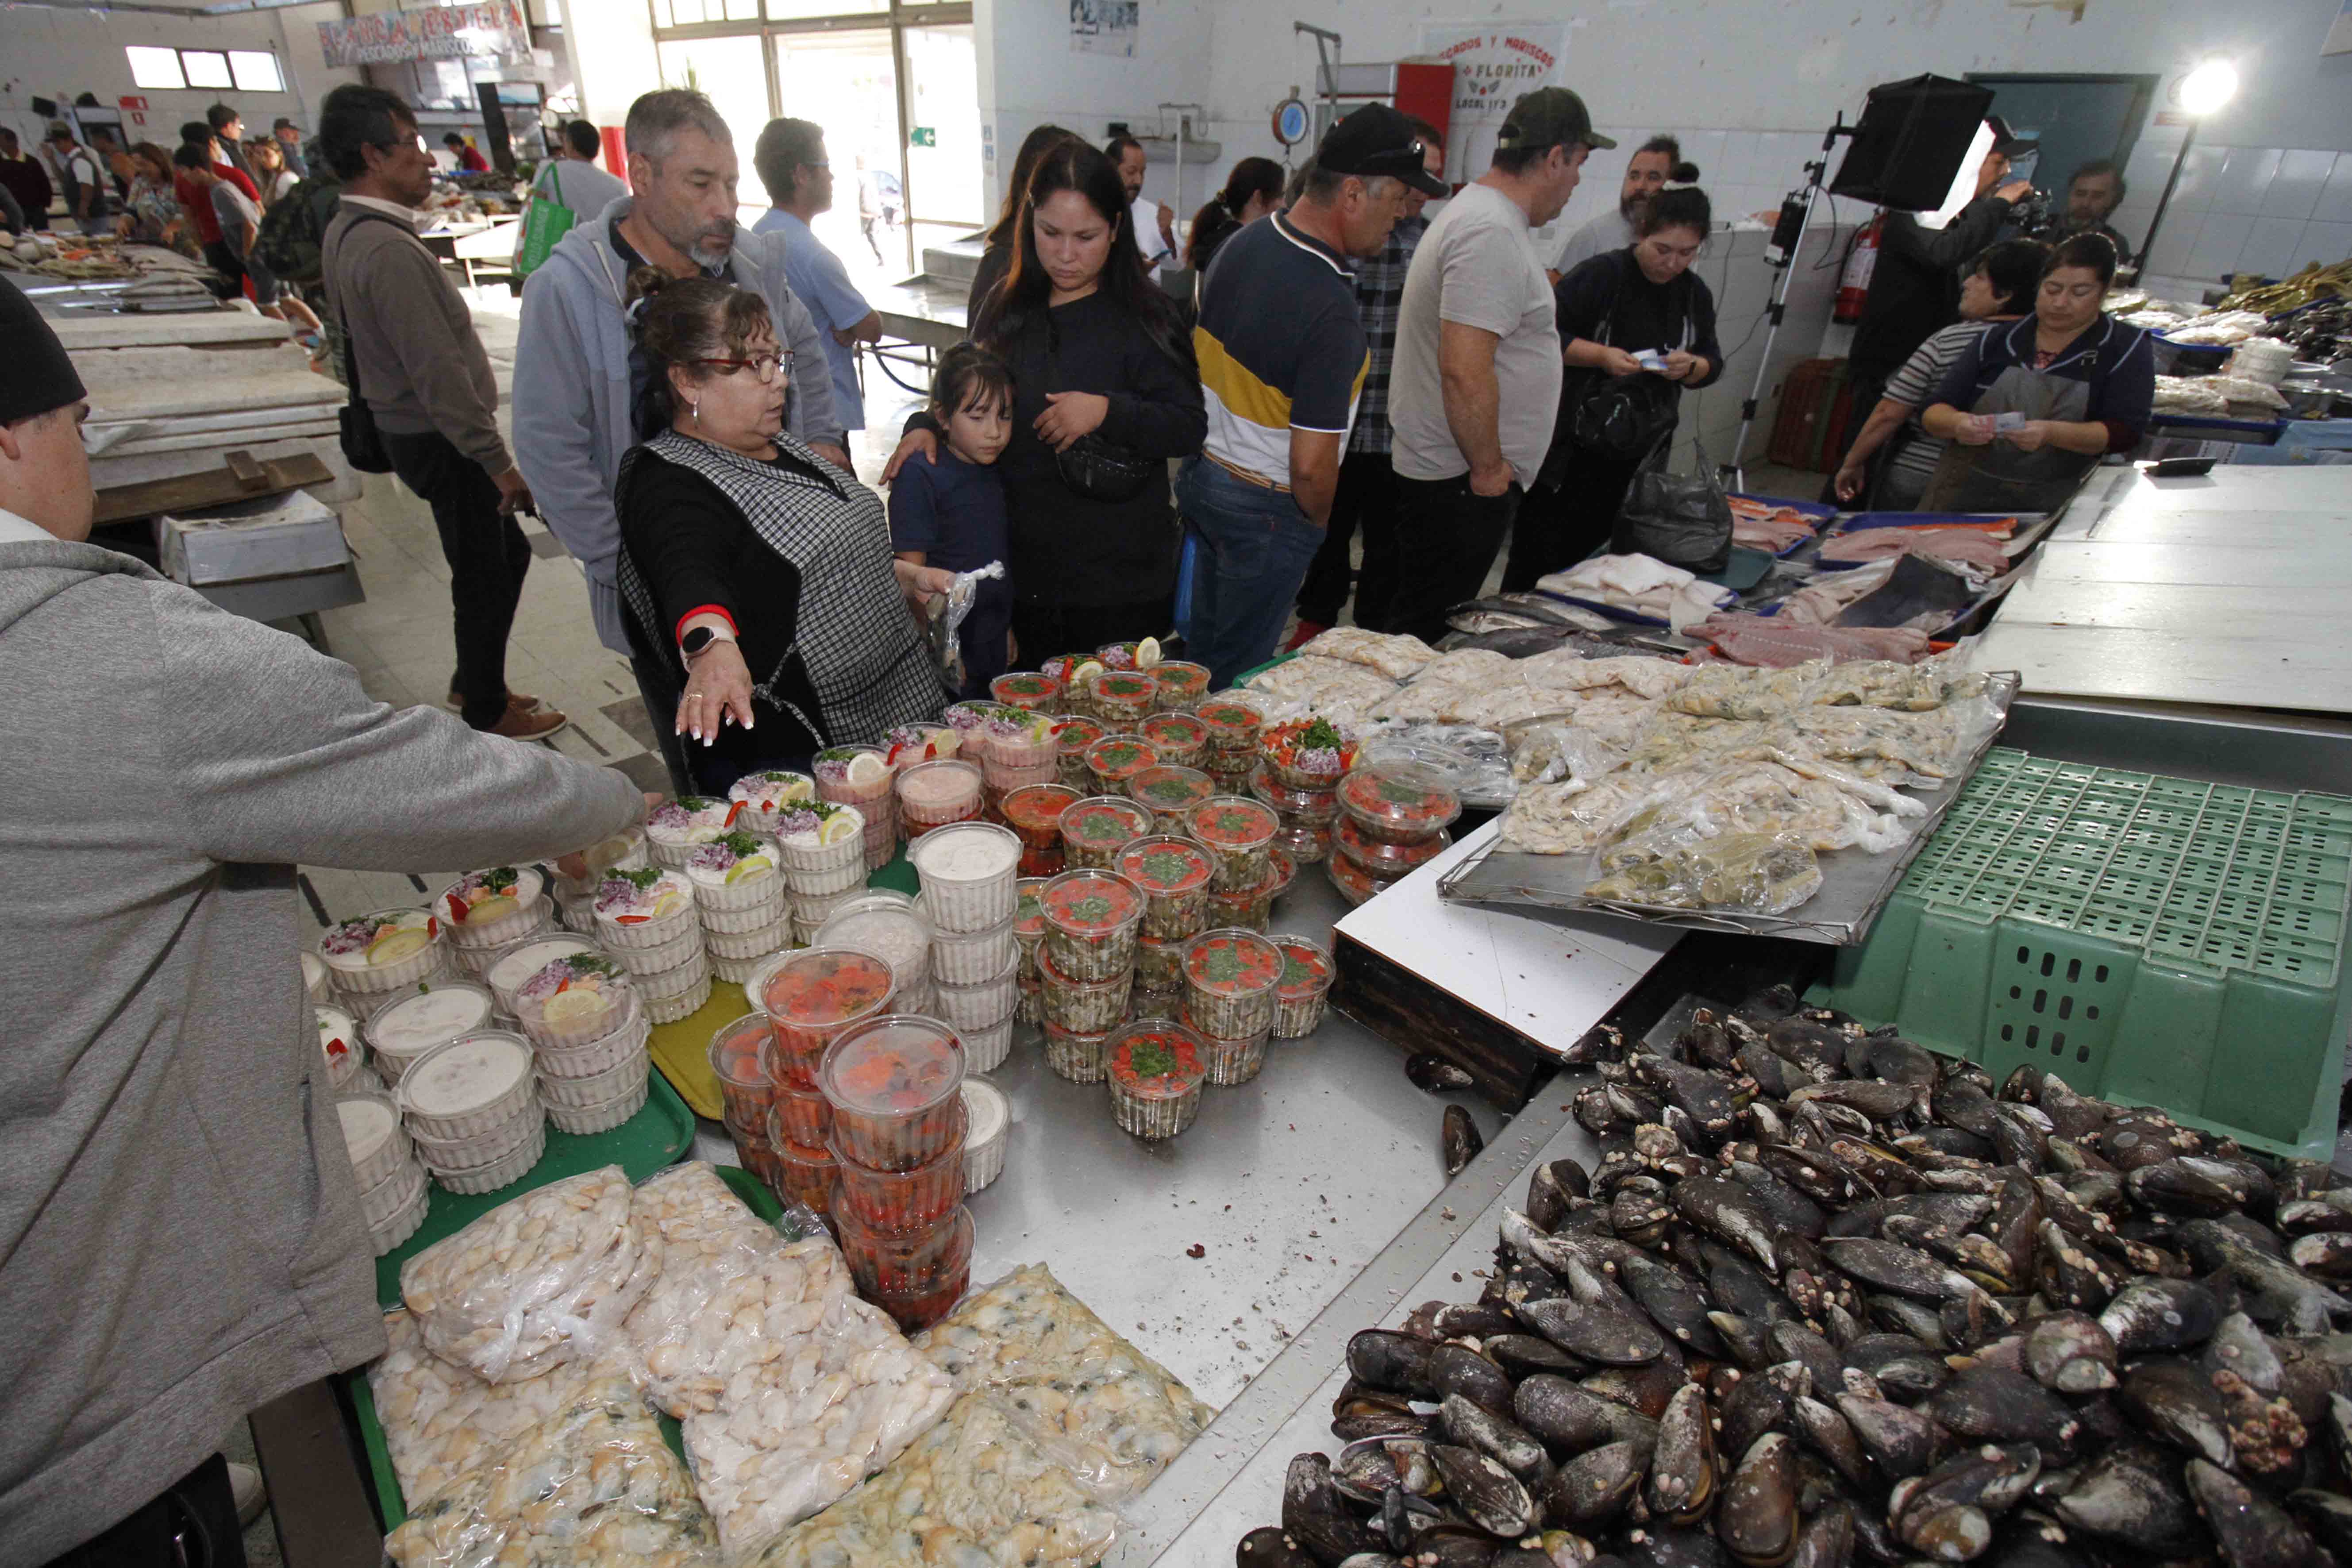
x: 543, y: 223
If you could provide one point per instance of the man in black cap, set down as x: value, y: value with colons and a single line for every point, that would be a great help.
x: 1283, y: 357
x: 185, y: 1240
x: 1914, y: 287
x: 1477, y: 361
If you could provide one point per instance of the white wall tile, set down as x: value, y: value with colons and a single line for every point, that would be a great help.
x: 2201, y: 171
x: 1703, y: 148
x: 2335, y: 197
x: 1738, y: 158
x: 2294, y: 189
x: 2326, y: 243
x: 2270, y: 247
x: 2145, y: 171
x: 2175, y: 243
x: 2245, y: 178
x: 2215, y: 253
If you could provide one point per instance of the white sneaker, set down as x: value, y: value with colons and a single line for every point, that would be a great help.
x: 252, y: 1495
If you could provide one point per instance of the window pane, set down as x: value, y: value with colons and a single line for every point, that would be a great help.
x: 734, y: 74
x: 845, y: 82
x: 255, y: 71
x: 943, y: 172
x: 799, y: 10
x: 742, y: 10
x: 155, y: 68
x: 206, y: 67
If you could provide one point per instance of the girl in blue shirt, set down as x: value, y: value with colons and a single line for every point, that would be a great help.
x: 950, y: 513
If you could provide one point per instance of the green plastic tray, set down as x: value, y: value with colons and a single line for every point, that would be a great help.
x: 2154, y: 941
x: 392, y: 1507
x: 656, y: 1136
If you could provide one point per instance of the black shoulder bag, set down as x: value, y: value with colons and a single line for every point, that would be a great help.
x: 1090, y: 466
x: 362, y: 443
x: 1620, y: 417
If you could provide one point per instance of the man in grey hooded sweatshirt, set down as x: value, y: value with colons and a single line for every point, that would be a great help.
x: 577, y: 386
x: 181, y: 1240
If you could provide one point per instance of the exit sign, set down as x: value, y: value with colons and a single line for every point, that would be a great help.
x: 131, y: 102
x: 923, y: 136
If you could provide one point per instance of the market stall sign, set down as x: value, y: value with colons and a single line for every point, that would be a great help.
x: 495, y: 29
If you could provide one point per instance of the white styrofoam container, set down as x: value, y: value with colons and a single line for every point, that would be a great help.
x: 274, y: 536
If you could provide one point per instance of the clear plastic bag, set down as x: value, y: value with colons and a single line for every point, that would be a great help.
x: 709, y: 1238
x: 1762, y: 873
x: 593, y: 1486
x: 540, y: 1280
x: 948, y: 611
x: 440, y: 1422
x: 974, y: 1491
x: 1114, y: 1417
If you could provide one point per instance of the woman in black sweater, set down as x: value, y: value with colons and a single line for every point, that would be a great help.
x: 996, y: 258
x: 1101, y: 365
x: 1643, y: 300
x: 756, y: 574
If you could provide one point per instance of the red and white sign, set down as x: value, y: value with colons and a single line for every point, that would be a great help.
x: 131, y: 101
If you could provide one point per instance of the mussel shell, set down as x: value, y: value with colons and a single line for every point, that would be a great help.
x: 2072, y: 1353
x: 1315, y: 1517
x: 1487, y: 1495
x: 1645, y: 1389
x: 1828, y: 1434
x: 1759, y: 1403
x: 1593, y: 1333
x: 1523, y: 1355
x: 1435, y: 1075
x: 1270, y: 1547
x: 2177, y: 1402
x: 1681, y: 1481
x: 1900, y: 1442
x: 1570, y: 1417
x: 1469, y: 1426
x: 2252, y: 1531
x: 1594, y: 1487
x: 2132, y: 1493
x: 1459, y: 1371
x: 2149, y: 1316
x: 1827, y: 1539
x: 1758, y: 1516
x: 2327, y: 1515
x: 1459, y: 1139
x: 1384, y: 1359
x: 1992, y: 1404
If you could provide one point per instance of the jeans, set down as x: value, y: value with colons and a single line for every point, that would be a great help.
x: 1446, y: 538
x: 1555, y: 528
x: 1256, y: 546
x: 192, y: 1524
x: 487, y: 556
x: 1366, y: 499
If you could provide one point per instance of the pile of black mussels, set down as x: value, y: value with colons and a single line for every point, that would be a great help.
x: 1828, y: 1298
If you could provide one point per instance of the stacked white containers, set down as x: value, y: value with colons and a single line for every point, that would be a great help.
x: 645, y: 920
x: 485, y: 910
x: 472, y: 1106
x: 393, y: 1193
x: 969, y: 871
x: 575, y: 897
x: 738, y: 895
x: 822, y: 845
x: 589, y: 1030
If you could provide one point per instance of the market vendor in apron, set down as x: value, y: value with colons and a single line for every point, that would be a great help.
x: 2032, y: 406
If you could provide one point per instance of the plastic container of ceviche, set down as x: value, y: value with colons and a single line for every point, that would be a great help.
x: 892, y: 1084
x: 1155, y: 1070
x: 1168, y: 792
x: 1174, y: 876
x: 674, y: 828
x: 1179, y: 738
x: 799, y: 1116
x: 1092, y: 919
x: 1307, y: 754
x: 511, y: 967
x: 738, y: 1052
x: 406, y: 1028
x: 1230, y: 976
x: 766, y: 795
x: 469, y: 1087
x: 1181, y: 685
x: 810, y: 996
x: 967, y: 870
x: 1096, y: 828
x: 576, y: 998
x: 1238, y: 835
x: 1386, y: 858
x: 1083, y: 1006
x: 901, y: 1203
x: 373, y: 1133
x: 488, y: 908
x: 1015, y: 739
x: 915, y: 1278
x: 384, y: 950
x: 1398, y: 803
x: 1029, y: 921
x: 1030, y: 689
x: 645, y: 908
x: 340, y: 1046
x: 1034, y: 812
x: 1075, y: 1056
x: 844, y: 780
x: 1117, y: 758
x: 936, y: 792
x: 822, y: 845
x: 1231, y: 726
x: 897, y: 931
x: 1304, y: 992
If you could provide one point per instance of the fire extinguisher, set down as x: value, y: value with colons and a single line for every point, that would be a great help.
x: 1861, y: 261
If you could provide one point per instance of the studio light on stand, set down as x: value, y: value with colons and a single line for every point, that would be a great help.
x: 1913, y: 138
x: 2209, y: 86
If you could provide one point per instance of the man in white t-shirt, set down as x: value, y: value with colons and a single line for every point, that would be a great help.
x: 1155, y: 222
x: 1476, y: 383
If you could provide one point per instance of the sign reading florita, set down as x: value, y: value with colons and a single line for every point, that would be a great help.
x: 493, y: 28
x: 1495, y: 65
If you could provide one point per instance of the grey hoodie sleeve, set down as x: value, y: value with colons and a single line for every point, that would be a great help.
x: 814, y: 419
x: 555, y: 423
x: 281, y: 759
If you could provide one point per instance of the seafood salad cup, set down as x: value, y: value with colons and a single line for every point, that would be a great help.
x: 1124, y: 695
x: 674, y: 828
x: 1182, y: 740
x: 1075, y: 1056
x: 932, y: 794
x: 1169, y: 793
x: 1116, y: 758
x: 1155, y: 1068
x: 513, y: 965
x: 1304, y: 991
x: 892, y: 1082
x: 1174, y: 876
x: 1307, y: 754
x: 1238, y: 835
x: 810, y: 996
x: 1085, y: 1007
x: 644, y: 908
x: 493, y: 907
x: 1029, y: 922
x: 1181, y: 686
x: 1398, y: 803
x: 389, y: 949
x: 1073, y: 733
x: 844, y: 780
x: 1029, y: 689
x: 822, y: 846
x: 738, y: 1052
x: 1231, y: 726
x: 1017, y: 740
x: 1230, y: 977
x: 735, y: 875
x: 1092, y: 921
x: 765, y: 795
x: 1096, y: 828
x: 576, y: 998
x: 406, y: 1028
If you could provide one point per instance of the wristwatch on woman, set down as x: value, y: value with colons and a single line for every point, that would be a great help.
x: 699, y: 640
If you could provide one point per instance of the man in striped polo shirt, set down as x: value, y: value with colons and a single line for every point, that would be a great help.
x: 1283, y: 357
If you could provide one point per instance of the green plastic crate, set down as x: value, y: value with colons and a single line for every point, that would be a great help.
x: 2154, y: 941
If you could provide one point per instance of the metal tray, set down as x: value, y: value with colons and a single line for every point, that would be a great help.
x: 1856, y: 885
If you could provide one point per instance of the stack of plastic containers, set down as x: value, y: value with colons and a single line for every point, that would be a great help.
x: 1395, y: 817
x: 1179, y: 738
x: 739, y: 1053
x: 1232, y: 741
x: 393, y: 1191
x: 1180, y: 685
x: 810, y: 997
x: 899, y: 1127
x: 823, y: 850
x: 1229, y: 979
x: 1015, y: 748
x: 844, y: 780
x: 1304, y: 992
x: 575, y: 898
x: 969, y: 870
x: 1304, y: 815
x: 766, y: 795
x: 1028, y: 931
x: 1168, y: 793
x: 485, y: 910
x: 376, y: 954
x: 1122, y: 697
x: 987, y: 1118
x: 513, y: 966
x: 341, y: 1047
x: 407, y: 1027
x: 588, y: 1025
x: 1034, y: 815
x: 1239, y: 835
x: 1095, y: 829
x: 1301, y: 764
x: 1028, y: 688
x: 1174, y: 875
x: 674, y: 829
x: 1086, y: 964
x: 884, y: 922
x: 932, y: 794
x: 645, y: 920
x: 1155, y: 1068
x: 739, y: 897
x: 1117, y: 758
x: 1073, y: 733
x: 473, y: 1107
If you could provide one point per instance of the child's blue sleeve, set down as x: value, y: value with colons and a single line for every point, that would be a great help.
x: 914, y: 511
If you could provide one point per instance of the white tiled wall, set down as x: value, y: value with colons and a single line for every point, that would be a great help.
x: 2236, y: 209
x: 2266, y: 210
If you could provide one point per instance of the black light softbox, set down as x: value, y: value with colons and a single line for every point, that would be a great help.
x: 1910, y: 142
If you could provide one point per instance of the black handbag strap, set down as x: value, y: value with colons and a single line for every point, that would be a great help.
x: 350, y: 343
